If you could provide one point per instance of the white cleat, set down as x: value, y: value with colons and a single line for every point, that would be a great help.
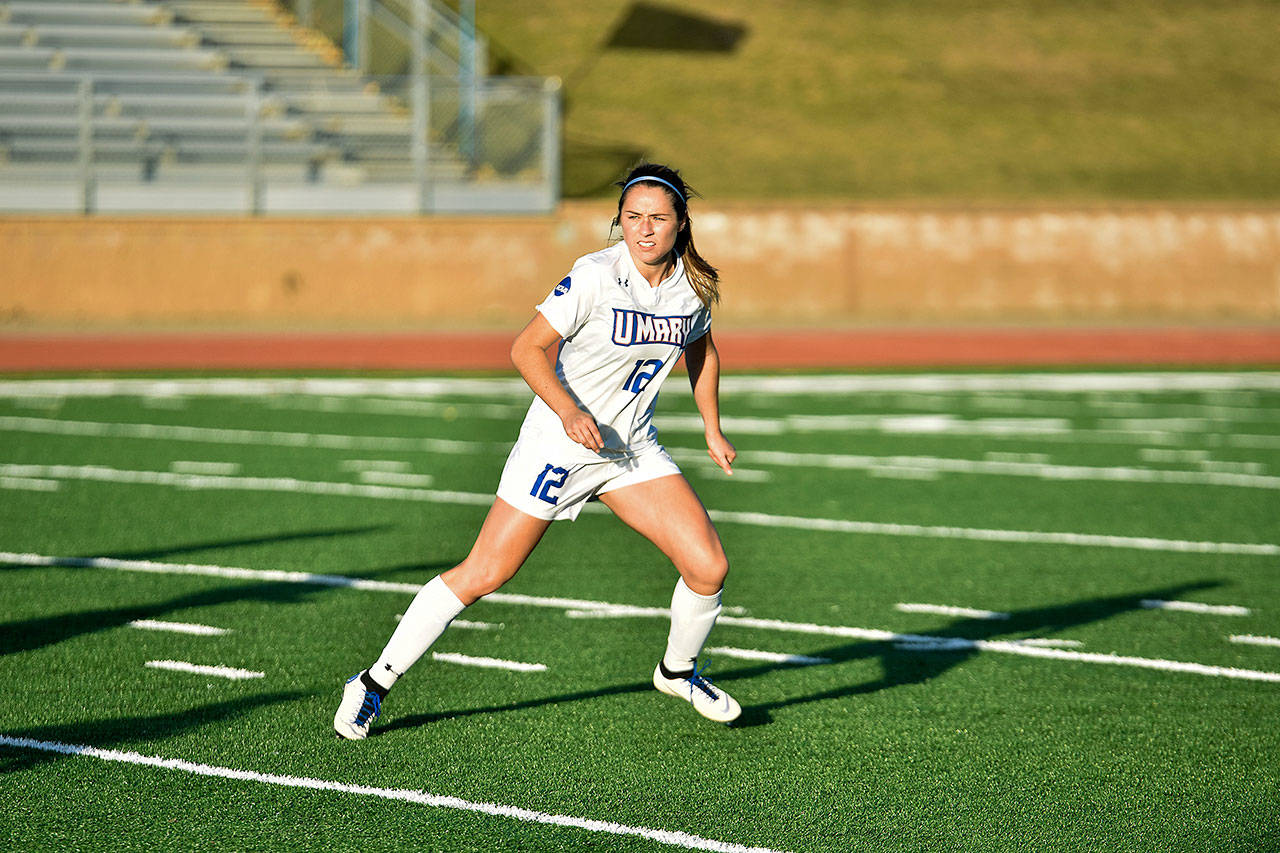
x: 358, y: 708
x: 693, y: 687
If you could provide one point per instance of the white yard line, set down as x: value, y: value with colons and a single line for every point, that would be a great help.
x: 1195, y: 607
x: 388, y: 465
x: 1247, y: 475
x: 228, y: 572
x: 926, y: 643
x: 218, y: 435
x: 199, y: 669
x: 1037, y: 537
x: 29, y: 484
x: 1251, y: 640
x: 661, y: 836
x: 771, y: 657
x: 211, y: 482
x: 100, y: 473
x: 1016, y: 647
x: 948, y: 644
x: 488, y: 663
x: 395, y: 478
x: 1243, y: 476
x: 179, y: 627
x: 841, y: 384
x: 470, y: 625
x: 615, y: 611
x: 264, y: 387
x: 448, y: 410
x: 1035, y: 383
x: 227, y: 469
x: 948, y: 610
x: 1049, y: 643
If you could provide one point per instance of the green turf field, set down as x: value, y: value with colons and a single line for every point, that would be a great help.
x: 949, y: 621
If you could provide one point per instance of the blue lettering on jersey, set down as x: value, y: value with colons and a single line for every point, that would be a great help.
x: 563, y: 287
x: 633, y: 327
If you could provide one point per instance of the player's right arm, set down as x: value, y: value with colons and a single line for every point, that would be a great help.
x: 529, y: 355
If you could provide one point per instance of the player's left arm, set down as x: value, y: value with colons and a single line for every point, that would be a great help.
x: 703, y: 363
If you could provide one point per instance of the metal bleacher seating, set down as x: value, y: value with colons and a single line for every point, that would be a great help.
x: 187, y: 95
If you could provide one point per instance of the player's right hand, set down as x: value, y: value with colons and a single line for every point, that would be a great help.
x: 582, y: 428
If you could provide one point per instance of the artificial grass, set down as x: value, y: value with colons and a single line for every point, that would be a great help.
x: 883, y: 748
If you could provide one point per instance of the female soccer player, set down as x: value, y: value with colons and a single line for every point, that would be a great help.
x: 623, y: 316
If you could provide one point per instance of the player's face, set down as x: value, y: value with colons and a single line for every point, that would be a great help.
x: 649, y: 225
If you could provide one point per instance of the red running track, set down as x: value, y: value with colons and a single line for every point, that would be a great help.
x: 740, y: 350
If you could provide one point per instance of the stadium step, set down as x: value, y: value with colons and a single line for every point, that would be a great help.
x: 83, y: 13
x: 71, y: 35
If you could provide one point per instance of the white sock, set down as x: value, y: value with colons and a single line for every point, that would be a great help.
x: 692, y: 617
x: 433, y: 608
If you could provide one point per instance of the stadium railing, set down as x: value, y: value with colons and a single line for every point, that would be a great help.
x: 108, y: 106
x: 123, y: 141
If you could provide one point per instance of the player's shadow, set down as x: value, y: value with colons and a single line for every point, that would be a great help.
x: 900, y: 666
x: 111, y: 731
x: 247, y: 541
x: 29, y: 634
x: 413, y: 721
x: 905, y: 660
x: 38, y: 632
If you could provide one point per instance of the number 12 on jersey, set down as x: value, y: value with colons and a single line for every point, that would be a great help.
x: 640, y: 377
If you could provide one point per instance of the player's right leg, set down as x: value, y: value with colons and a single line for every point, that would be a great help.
x: 505, y: 541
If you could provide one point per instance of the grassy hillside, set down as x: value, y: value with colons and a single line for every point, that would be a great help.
x: 934, y: 99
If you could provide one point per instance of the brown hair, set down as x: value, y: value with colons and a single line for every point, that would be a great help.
x: 704, y: 278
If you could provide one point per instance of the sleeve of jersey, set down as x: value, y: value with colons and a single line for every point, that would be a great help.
x: 569, y: 304
x: 701, y: 325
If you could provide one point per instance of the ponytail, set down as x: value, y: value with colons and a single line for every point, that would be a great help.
x: 704, y: 278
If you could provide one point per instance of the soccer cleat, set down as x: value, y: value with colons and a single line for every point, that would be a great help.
x: 694, y: 687
x: 356, y: 711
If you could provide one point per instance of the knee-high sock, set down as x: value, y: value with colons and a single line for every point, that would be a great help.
x: 692, y: 617
x: 434, y: 607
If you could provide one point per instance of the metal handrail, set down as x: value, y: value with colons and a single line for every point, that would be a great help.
x: 84, y: 134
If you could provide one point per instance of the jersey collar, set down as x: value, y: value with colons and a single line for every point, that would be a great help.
x: 676, y: 271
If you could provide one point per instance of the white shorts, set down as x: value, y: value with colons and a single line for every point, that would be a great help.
x: 544, y: 488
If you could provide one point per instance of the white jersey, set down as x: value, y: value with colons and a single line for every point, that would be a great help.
x: 621, y: 336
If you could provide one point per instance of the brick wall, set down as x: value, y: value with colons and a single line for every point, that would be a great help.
x: 782, y: 265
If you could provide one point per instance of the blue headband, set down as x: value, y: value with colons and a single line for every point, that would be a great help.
x: 659, y: 180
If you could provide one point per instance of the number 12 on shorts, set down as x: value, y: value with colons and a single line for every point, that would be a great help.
x: 542, y: 486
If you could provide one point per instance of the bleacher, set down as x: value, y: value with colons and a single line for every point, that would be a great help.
x: 214, y: 106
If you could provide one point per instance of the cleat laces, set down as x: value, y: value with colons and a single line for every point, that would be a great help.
x: 371, y: 707
x: 701, y: 682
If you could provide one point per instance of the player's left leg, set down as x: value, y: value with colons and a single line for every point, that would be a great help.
x: 666, y: 511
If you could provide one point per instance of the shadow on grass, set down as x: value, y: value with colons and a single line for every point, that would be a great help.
x: 112, y: 731
x: 901, y: 667
x: 36, y: 633
x: 907, y: 666
x: 415, y: 720
x: 248, y: 541
x: 44, y: 631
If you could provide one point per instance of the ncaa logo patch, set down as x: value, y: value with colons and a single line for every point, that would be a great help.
x: 563, y: 287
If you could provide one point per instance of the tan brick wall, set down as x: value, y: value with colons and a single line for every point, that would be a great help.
x: 782, y: 265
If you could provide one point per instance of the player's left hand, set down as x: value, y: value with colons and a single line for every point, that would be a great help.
x: 721, y: 451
